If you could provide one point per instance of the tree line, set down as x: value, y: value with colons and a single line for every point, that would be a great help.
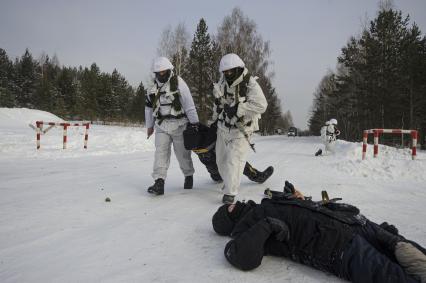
x: 198, y: 63
x: 69, y: 92
x: 380, y: 81
x: 88, y: 93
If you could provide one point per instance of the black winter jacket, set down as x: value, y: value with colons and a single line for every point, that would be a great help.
x: 318, y: 235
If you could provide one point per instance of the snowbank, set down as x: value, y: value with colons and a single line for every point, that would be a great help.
x: 18, y: 139
x: 18, y: 118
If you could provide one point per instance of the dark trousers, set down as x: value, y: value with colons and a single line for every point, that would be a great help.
x: 363, y: 263
x: 209, y: 160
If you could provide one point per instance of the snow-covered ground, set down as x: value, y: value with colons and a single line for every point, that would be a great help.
x: 55, y: 225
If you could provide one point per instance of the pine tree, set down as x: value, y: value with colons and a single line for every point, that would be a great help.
x: 199, y: 70
x: 7, y: 96
x: 137, y: 109
x: 28, y: 80
x: 91, y: 90
x: 380, y: 81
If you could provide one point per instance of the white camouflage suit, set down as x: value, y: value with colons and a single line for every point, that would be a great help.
x: 328, y: 136
x: 170, y: 131
x: 231, y: 145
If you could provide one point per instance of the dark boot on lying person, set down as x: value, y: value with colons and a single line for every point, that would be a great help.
x: 157, y: 188
x: 189, y: 182
x: 255, y: 175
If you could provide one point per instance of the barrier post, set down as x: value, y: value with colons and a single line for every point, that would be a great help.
x: 65, y: 125
x: 86, y: 135
x: 364, y: 143
x: 38, y: 133
x: 414, y: 144
x: 376, y: 143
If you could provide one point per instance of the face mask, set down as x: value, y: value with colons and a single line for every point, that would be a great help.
x: 232, y: 74
x: 164, y: 77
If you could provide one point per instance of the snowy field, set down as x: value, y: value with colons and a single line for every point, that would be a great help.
x: 55, y: 225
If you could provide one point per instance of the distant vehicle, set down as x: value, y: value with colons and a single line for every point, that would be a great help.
x: 292, y: 132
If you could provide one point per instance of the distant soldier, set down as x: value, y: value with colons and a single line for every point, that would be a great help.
x: 329, y: 134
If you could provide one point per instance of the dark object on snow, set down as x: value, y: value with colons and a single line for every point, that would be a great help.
x: 157, y: 188
x: 319, y: 152
x: 107, y: 199
x: 189, y: 181
x: 335, y: 240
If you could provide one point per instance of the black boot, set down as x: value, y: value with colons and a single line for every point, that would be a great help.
x: 189, y: 182
x: 157, y: 188
x: 228, y: 199
x: 257, y: 176
x: 250, y: 172
x: 319, y: 152
x: 263, y: 176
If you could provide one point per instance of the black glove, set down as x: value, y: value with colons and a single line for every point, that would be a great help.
x: 390, y: 228
x: 193, y: 126
x: 280, y: 228
x: 230, y: 111
x: 289, y: 188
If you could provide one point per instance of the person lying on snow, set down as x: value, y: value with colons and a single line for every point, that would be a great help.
x: 201, y: 139
x: 329, y: 236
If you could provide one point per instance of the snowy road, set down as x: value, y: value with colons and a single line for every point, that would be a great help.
x: 56, y: 227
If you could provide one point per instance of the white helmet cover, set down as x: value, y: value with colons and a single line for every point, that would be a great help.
x: 230, y: 61
x: 333, y: 121
x: 161, y: 64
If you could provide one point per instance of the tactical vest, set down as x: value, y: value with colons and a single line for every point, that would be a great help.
x: 176, y: 110
x: 240, y: 91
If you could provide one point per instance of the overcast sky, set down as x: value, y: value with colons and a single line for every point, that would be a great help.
x: 306, y: 36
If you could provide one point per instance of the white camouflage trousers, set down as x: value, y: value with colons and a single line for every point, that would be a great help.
x: 163, y: 141
x: 330, y: 144
x: 231, y: 155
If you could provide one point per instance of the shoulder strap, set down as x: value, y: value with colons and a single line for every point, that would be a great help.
x: 174, y: 83
x: 243, y: 85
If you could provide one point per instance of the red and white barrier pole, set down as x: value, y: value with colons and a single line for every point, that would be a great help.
x: 38, y: 133
x: 65, y: 126
x: 65, y: 135
x: 376, y: 142
x: 414, y: 145
x: 86, y: 135
x: 364, y: 144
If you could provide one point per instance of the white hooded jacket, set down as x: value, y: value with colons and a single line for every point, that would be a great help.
x: 185, y: 98
x: 250, y: 106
